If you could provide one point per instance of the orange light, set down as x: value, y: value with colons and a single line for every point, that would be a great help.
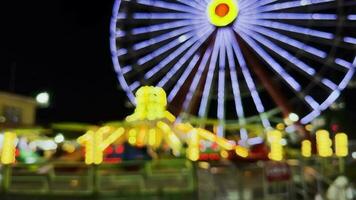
x: 222, y: 9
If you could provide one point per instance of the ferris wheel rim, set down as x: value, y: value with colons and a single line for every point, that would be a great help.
x: 315, y: 110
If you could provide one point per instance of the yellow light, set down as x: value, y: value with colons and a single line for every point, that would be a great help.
x: 222, y: 12
x: 306, y: 148
x: 95, y: 144
x: 193, y: 154
x: 132, y: 136
x: 8, y: 150
x: 275, y: 137
x: 323, y: 143
x: 193, y: 145
x: 224, y: 154
x: 224, y: 143
x: 341, y: 145
x: 241, y: 151
x: 206, y: 135
x: 293, y: 117
x: 151, y: 104
x: 204, y: 165
x: 309, y: 127
x: 152, y: 137
x: 280, y: 126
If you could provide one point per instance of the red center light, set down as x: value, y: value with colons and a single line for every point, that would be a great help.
x: 222, y: 9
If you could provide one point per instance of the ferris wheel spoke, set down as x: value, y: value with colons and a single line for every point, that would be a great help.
x: 293, y: 16
x: 255, y: 5
x: 162, y: 16
x: 126, y: 69
x: 118, y: 33
x: 141, y: 61
x: 170, y: 6
x: 291, y: 28
x: 196, y: 80
x: 210, y: 75
x: 170, y: 45
x: 163, y: 37
x: 281, y: 52
x: 249, y: 81
x: 289, y: 41
x: 308, y: 70
x: 182, y: 61
x: 301, y: 65
x: 343, y: 63
x: 221, y: 84
x: 270, y: 61
x: 164, y: 26
x: 245, y: 4
x: 350, y: 40
x: 235, y: 88
x: 291, y: 4
x: 177, y: 52
x: 193, y: 4
x: 183, y: 78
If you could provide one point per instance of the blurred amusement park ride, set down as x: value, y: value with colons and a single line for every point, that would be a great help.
x: 244, y: 81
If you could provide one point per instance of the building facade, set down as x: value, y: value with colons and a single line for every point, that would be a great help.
x: 16, y: 110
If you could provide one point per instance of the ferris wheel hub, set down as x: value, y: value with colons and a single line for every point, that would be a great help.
x: 222, y: 12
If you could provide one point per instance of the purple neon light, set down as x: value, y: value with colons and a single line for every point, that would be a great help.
x: 177, y: 52
x: 169, y: 46
x: 171, y: 6
x: 251, y: 13
x: 208, y: 82
x: 121, y: 16
x: 221, y: 78
x: 294, y: 16
x: 271, y: 62
x: 249, y: 81
x: 163, y: 37
x: 331, y: 85
x: 126, y: 69
x: 182, y: 79
x: 255, y: 4
x: 343, y: 63
x: 164, y: 26
x: 166, y: 16
x: 236, y: 89
x: 162, y: 50
x: 351, y: 17
x: 283, y: 53
x: 291, y: 4
x: 113, y: 49
x: 290, y: 28
x: 350, y: 40
x: 193, y: 4
x: 121, y: 52
x: 289, y: 41
x: 134, y: 85
x: 331, y: 98
x: 196, y: 79
x: 255, y: 140
x: 183, y: 60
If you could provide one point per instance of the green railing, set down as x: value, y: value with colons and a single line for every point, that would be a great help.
x: 159, y: 179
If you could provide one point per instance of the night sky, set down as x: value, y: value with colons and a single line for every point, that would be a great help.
x: 62, y: 46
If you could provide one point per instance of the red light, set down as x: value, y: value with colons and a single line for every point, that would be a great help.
x: 120, y: 149
x: 222, y: 9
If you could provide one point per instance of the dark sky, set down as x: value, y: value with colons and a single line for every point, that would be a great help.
x: 62, y: 46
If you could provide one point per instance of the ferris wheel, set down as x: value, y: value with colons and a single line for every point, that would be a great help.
x: 236, y: 59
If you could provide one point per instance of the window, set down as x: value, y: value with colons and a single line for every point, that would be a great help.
x: 12, y: 114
